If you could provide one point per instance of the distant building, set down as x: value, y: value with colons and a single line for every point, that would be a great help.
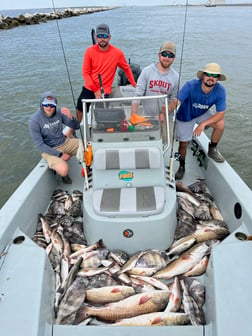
x: 213, y: 3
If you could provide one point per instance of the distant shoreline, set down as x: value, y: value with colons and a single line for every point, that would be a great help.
x: 8, y: 22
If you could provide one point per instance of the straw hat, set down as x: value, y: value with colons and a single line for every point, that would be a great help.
x: 212, y: 68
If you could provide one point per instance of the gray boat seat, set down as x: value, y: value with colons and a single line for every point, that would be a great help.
x: 128, y: 182
x: 129, y: 201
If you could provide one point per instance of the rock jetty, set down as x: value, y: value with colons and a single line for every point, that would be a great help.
x: 29, y: 19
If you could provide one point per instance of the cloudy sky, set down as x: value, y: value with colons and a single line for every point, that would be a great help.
x: 23, y: 4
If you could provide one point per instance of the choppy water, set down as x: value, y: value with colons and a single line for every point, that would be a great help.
x: 31, y: 62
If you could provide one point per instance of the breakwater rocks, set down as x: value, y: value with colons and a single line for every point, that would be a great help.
x: 30, y: 19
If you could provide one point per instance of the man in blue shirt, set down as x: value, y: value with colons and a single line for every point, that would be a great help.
x: 196, y: 98
x: 46, y: 129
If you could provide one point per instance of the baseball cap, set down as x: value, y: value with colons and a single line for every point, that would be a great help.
x: 168, y: 46
x: 102, y: 29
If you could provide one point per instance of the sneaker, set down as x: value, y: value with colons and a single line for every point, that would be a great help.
x: 214, y: 154
x: 180, y: 173
x: 66, y: 179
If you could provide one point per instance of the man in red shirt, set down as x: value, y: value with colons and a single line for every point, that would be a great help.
x: 101, y: 59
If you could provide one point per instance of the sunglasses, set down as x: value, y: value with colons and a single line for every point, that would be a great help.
x: 208, y: 74
x: 49, y: 105
x: 169, y: 54
x: 105, y: 36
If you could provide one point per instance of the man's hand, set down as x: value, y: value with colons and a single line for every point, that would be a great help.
x: 66, y: 156
x: 198, y: 130
x: 98, y: 94
x: 66, y: 112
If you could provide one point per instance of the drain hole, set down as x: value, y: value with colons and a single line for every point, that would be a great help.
x: 19, y: 240
x: 241, y: 236
x: 238, y: 210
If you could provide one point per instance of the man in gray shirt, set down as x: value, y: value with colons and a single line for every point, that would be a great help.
x: 158, y: 79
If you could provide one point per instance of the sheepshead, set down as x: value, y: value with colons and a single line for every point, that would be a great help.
x: 155, y: 319
x: 75, y: 210
x: 39, y: 239
x: 71, y: 275
x: 203, y: 212
x: 175, y: 298
x: 186, y: 205
x: 145, y: 263
x: 199, y: 186
x: 68, y: 202
x: 94, y: 258
x: 57, y: 208
x: 108, y: 294
x: 101, y: 280
x: 185, y: 262
x: 134, y: 305
x: 195, y: 289
x: 77, y: 194
x: 71, y: 302
x: 121, y: 257
x: 195, y: 313
x: 59, y: 195
x: 185, y: 225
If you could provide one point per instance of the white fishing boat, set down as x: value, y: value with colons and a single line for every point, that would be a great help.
x: 129, y: 201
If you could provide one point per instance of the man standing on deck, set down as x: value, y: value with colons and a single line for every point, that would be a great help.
x: 46, y: 129
x: 158, y: 79
x: 102, y: 59
x: 196, y: 98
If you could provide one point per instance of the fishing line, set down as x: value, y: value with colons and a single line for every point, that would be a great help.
x: 180, y: 70
x: 67, y: 69
x: 14, y: 121
x: 64, y: 54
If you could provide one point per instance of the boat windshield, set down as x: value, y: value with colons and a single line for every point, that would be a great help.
x: 126, y: 118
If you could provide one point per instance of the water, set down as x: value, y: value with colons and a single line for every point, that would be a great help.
x: 32, y: 62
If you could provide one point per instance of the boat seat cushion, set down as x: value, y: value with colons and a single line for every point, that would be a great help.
x: 127, y: 158
x: 137, y: 201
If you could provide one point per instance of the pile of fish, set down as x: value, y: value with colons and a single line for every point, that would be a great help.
x: 95, y: 285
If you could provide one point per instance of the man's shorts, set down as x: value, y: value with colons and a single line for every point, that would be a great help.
x: 70, y: 146
x: 86, y: 94
x: 184, y: 129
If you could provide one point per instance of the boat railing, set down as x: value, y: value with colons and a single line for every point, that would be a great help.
x: 127, y: 101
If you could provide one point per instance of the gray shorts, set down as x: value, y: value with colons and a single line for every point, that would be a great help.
x: 184, y: 129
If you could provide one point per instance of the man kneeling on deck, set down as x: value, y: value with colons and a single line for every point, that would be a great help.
x: 46, y: 129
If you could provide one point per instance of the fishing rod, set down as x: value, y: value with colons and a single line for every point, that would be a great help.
x: 67, y: 69
x: 176, y: 109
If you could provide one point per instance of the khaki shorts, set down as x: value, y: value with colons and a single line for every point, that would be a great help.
x: 70, y: 146
x: 184, y: 129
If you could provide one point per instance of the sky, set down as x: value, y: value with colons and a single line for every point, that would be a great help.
x: 25, y: 4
